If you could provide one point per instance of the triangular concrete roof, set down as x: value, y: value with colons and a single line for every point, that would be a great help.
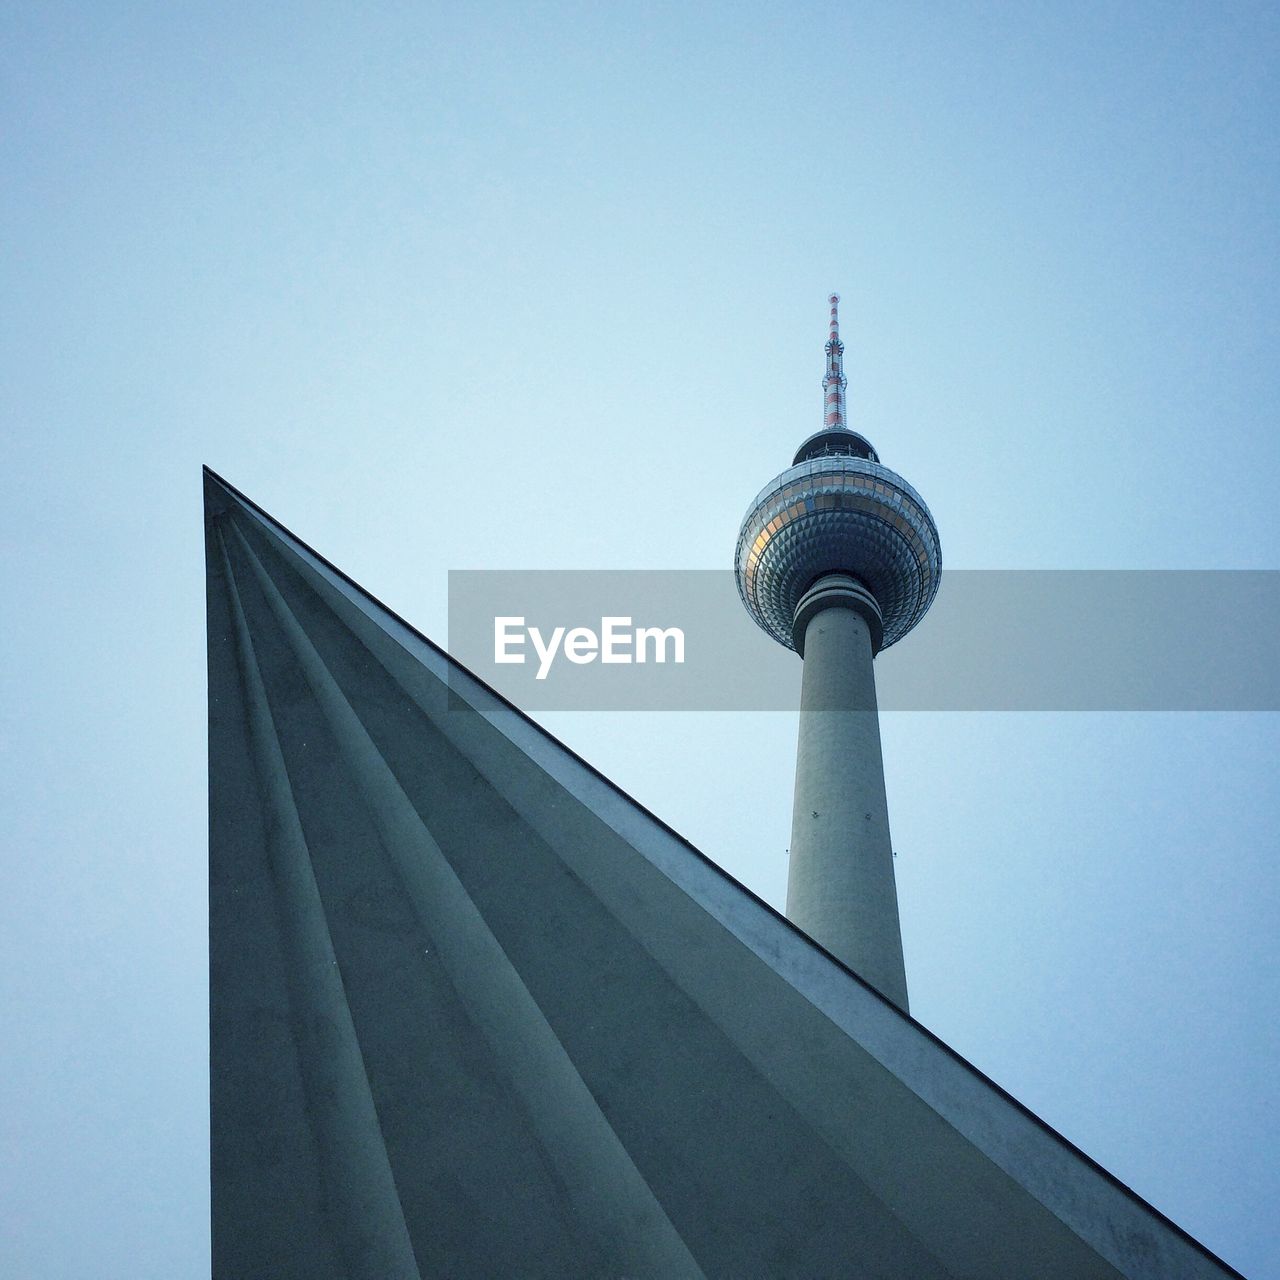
x: 475, y: 1012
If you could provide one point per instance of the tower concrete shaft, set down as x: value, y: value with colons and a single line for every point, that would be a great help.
x: 840, y: 881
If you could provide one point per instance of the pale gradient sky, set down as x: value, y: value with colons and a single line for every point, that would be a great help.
x: 544, y: 287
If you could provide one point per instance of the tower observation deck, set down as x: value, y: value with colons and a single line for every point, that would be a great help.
x: 837, y: 558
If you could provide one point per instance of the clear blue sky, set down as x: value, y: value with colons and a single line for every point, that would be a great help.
x: 544, y: 286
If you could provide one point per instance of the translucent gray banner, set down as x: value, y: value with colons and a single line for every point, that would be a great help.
x: 1059, y: 640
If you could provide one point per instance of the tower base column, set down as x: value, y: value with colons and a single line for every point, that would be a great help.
x: 840, y: 884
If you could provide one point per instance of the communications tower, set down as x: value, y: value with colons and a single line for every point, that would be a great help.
x: 838, y: 558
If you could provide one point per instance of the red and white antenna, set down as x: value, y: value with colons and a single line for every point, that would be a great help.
x: 834, y: 383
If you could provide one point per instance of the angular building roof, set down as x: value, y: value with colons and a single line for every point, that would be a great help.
x: 475, y: 1012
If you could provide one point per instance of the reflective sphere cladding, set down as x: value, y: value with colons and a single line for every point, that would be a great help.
x: 838, y: 514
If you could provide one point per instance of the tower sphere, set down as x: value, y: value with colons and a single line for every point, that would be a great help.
x: 837, y: 510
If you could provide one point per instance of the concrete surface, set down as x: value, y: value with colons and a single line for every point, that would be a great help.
x: 473, y: 1012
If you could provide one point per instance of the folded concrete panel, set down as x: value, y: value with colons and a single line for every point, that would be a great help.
x: 474, y: 1012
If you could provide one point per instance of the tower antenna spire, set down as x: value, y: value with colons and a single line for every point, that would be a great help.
x: 834, y: 383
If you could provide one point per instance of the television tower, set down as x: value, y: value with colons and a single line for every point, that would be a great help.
x: 838, y: 558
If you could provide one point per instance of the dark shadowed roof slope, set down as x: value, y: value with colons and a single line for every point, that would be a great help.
x: 474, y: 1012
